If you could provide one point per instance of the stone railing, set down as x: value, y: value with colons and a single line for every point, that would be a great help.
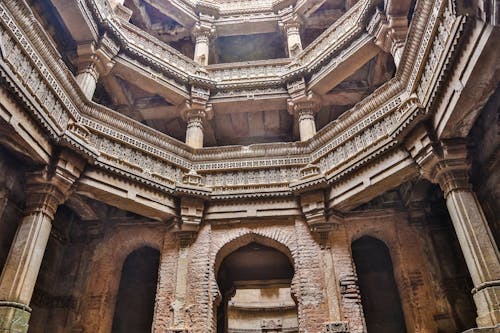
x: 153, y: 52
x: 34, y: 70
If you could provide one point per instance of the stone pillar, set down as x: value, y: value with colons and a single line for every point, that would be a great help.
x: 87, y: 79
x: 305, y: 114
x: 179, y: 305
x: 46, y: 190
x: 479, y: 249
x: 194, y: 131
x: 94, y: 60
x: 202, y: 33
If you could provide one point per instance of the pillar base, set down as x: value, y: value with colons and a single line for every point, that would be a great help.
x: 14, y: 317
x: 494, y: 329
x: 487, y: 301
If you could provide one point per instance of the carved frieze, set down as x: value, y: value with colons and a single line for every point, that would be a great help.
x: 126, y: 147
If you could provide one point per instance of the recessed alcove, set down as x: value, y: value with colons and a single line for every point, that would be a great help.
x: 249, y: 47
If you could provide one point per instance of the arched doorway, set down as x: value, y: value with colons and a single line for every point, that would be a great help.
x: 136, y: 295
x: 379, y: 292
x: 255, y: 286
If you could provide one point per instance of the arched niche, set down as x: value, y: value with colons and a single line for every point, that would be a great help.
x: 136, y: 294
x: 254, y: 276
x: 379, y: 293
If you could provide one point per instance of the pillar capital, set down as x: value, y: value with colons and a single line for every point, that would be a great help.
x: 49, y: 187
x: 203, y: 30
x: 94, y: 59
x: 442, y: 162
x: 451, y: 171
x: 97, y: 57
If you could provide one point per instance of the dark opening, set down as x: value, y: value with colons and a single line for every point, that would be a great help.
x: 254, y: 282
x: 248, y: 48
x: 379, y: 293
x: 136, y: 296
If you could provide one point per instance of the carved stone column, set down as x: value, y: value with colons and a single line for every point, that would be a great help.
x: 480, y: 252
x: 447, y: 165
x: 290, y: 24
x: 194, y: 131
x: 291, y: 27
x: 202, y: 32
x: 94, y: 60
x: 87, y: 76
x: 46, y: 190
x: 305, y: 112
x: 195, y: 113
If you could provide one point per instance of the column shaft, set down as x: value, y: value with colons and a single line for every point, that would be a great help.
x: 201, y: 50
x: 307, y: 126
x: 194, y: 131
x: 87, y: 80
x: 480, y: 252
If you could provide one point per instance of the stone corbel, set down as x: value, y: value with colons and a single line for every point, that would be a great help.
x: 191, y: 214
x: 311, y: 192
x: 390, y: 33
x: 95, y: 60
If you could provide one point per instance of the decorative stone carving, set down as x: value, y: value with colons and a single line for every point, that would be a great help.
x: 290, y: 23
x: 337, y: 327
x: 390, y: 33
x: 94, y: 60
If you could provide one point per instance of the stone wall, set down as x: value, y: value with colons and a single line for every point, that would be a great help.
x: 78, y: 284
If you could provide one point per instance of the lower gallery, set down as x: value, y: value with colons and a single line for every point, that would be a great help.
x: 311, y: 166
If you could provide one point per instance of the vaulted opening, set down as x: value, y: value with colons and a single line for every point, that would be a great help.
x: 379, y: 293
x: 255, y: 286
x: 136, y: 296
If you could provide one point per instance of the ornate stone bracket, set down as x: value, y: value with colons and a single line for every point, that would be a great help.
x: 390, y: 33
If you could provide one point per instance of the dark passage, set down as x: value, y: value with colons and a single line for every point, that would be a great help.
x: 136, y: 296
x: 379, y: 293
